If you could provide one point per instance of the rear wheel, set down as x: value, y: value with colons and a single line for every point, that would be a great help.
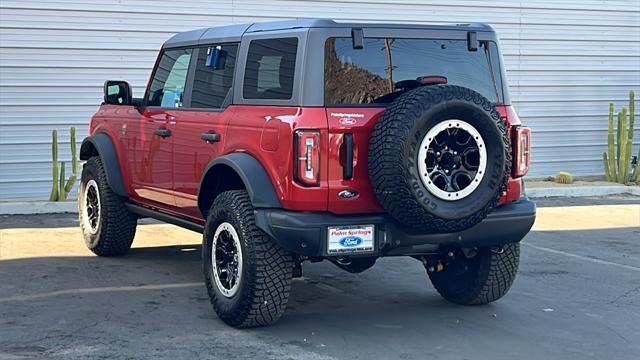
x: 479, y: 277
x: 107, y: 226
x: 248, y: 276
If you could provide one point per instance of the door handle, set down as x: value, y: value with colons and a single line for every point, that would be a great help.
x: 163, y: 133
x: 210, y: 137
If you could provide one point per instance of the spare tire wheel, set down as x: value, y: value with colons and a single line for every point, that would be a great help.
x: 439, y: 158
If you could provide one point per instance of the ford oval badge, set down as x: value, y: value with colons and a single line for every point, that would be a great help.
x: 348, y: 194
x: 351, y: 241
x: 347, y: 121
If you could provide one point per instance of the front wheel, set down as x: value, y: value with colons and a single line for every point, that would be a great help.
x: 107, y: 226
x: 479, y: 277
x: 248, y: 276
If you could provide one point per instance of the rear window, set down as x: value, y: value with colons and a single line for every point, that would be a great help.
x: 270, y: 69
x: 387, y: 67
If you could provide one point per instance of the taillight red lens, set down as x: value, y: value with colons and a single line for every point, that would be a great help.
x: 306, y: 169
x: 522, y: 151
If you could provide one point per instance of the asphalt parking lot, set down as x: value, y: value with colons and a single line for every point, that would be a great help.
x: 577, y: 296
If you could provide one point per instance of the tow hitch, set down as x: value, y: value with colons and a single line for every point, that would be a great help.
x: 448, y: 259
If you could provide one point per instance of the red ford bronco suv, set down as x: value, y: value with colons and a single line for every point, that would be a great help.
x: 311, y: 140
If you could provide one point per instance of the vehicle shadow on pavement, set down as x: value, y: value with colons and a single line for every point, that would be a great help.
x: 153, y: 295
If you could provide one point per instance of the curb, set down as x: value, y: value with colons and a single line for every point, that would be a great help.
x: 37, y: 207
x: 582, y: 191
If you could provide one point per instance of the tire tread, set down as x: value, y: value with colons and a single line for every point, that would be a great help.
x: 387, y: 148
x: 270, y: 267
x: 118, y: 225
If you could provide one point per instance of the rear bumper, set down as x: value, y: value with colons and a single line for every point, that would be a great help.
x: 305, y: 233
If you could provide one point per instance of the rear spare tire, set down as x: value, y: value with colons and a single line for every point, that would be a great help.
x: 439, y: 158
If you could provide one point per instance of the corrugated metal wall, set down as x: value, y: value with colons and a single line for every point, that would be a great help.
x: 565, y: 60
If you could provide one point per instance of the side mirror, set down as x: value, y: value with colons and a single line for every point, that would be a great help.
x: 117, y: 92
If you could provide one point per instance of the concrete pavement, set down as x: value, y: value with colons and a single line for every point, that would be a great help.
x: 577, y: 296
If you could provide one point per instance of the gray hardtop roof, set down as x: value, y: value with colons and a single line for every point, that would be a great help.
x: 233, y: 33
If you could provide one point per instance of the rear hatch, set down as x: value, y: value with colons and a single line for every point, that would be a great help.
x: 359, y: 83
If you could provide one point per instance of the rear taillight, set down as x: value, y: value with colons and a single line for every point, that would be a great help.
x: 306, y: 168
x: 522, y: 151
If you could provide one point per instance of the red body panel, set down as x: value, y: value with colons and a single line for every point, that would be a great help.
x: 266, y: 133
x: 165, y: 172
x: 191, y: 154
x: 358, y: 121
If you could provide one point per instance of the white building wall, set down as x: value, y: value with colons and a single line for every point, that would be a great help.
x: 565, y: 61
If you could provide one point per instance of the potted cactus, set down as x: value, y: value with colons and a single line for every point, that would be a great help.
x: 617, y: 158
x: 61, y: 188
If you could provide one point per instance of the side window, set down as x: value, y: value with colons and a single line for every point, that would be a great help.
x: 167, y: 87
x: 270, y: 68
x: 214, y: 76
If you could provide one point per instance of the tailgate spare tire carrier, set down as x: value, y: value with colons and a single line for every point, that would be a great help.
x: 439, y: 158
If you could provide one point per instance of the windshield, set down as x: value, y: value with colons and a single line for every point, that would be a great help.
x: 387, y: 67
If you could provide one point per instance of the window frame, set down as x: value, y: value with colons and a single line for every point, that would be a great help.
x: 186, y: 100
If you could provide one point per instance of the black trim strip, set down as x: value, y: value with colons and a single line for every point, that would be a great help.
x: 155, y: 214
x: 347, y: 170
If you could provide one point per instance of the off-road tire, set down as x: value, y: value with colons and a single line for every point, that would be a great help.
x: 267, y: 269
x: 393, y: 150
x: 116, y: 226
x: 489, y: 276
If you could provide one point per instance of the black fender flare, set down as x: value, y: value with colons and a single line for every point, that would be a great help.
x: 100, y: 144
x: 253, y: 175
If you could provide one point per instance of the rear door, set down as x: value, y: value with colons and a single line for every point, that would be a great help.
x: 199, y: 130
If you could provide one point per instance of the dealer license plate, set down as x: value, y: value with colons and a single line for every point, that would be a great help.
x: 350, y: 239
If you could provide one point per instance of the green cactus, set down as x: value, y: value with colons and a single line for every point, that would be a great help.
x: 54, y: 165
x: 605, y: 164
x: 564, y: 177
x: 632, y: 121
x: 62, y: 195
x: 609, y: 156
x: 74, y: 163
x: 617, y: 159
x: 622, y: 136
x: 61, y: 187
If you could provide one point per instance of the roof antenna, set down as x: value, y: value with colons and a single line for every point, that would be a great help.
x: 357, y: 38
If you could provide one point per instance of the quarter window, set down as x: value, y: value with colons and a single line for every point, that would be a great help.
x: 270, y: 69
x: 214, y: 76
x: 167, y: 87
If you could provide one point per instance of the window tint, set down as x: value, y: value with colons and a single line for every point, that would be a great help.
x: 214, y: 76
x: 270, y: 68
x: 167, y: 87
x: 387, y: 67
